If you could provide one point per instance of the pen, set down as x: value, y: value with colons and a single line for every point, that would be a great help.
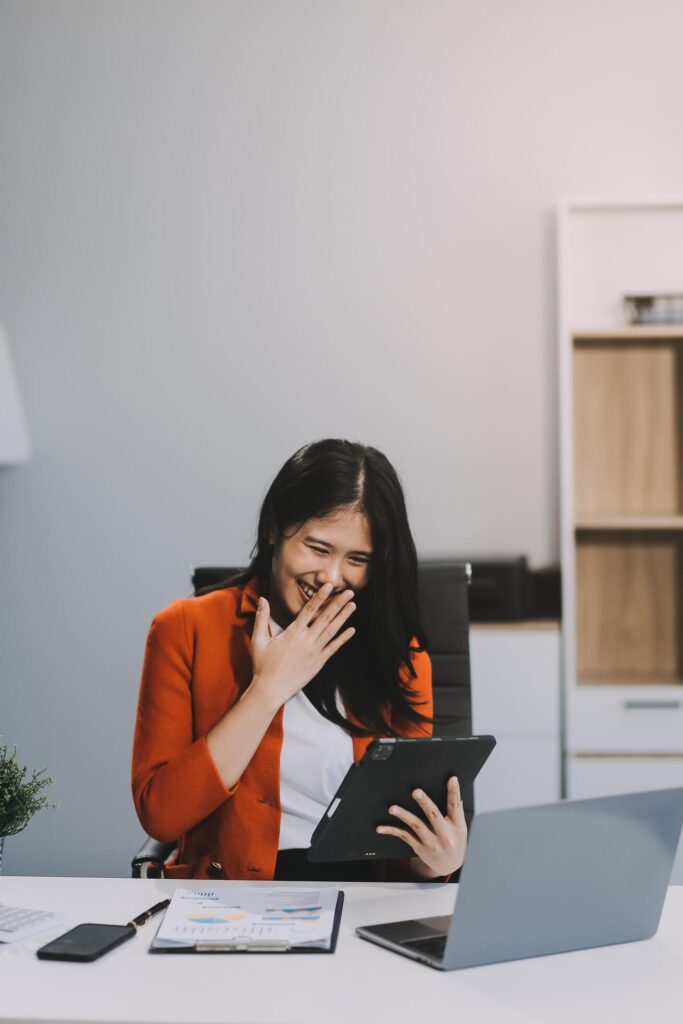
x: 145, y: 916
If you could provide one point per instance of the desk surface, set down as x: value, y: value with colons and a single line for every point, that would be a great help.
x: 359, y: 983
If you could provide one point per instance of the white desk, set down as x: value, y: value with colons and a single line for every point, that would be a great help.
x: 359, y: 984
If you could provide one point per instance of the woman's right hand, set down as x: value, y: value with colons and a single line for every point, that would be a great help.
x: 285, y: 663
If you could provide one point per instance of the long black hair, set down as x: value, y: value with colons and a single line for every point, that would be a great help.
x: 372, y: 671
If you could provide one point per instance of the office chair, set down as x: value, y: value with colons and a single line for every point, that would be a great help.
x: 442, y: 588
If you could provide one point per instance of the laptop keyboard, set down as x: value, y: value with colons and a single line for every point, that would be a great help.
x: 433, y: 945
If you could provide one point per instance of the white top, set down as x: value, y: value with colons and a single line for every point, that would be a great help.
x: 316, y: 755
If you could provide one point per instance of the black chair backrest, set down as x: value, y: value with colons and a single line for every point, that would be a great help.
x: 211, y: 576
x: 444, y: 613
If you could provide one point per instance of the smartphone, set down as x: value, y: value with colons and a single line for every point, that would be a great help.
x: 86, y: 942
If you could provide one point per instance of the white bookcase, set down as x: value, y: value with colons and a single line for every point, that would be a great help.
x: 621, y: 460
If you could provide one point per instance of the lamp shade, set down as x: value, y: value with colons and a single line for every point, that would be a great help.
x: 15, y: 445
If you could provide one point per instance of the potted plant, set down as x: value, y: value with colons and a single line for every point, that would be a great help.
x: 20, y: 797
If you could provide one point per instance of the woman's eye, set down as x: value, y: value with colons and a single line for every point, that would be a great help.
x: 318, y: 551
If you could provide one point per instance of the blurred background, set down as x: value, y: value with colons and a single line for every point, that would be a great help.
x: 229, y: 228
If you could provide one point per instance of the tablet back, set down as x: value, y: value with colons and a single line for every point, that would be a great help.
x: 389, y: 772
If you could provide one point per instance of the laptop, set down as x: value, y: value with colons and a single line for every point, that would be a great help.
x: 551, y: 879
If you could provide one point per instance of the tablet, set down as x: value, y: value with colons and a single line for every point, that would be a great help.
x: 388, y: 773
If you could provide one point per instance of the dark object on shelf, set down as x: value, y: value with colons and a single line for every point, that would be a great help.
x: 545, y: 599
x: 506, y: 590
x: 650, y: 310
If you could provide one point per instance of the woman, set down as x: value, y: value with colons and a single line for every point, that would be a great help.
x: 256, y: 697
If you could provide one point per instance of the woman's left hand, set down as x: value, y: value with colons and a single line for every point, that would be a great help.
x: 440, y: 845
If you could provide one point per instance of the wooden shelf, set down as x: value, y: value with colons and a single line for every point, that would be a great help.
x: 628, y: 432
x: 652, y: 332
x: 619, y: 523
x: 629, y: 607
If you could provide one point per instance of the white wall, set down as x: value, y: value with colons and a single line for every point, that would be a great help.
x: 229, y: 228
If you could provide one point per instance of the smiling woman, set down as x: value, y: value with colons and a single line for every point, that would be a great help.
x: 257, y: 696
x: 335, y: 549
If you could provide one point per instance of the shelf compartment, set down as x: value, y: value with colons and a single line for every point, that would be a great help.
x: 622, y: 523
x: 628, y: 430
x: 628, y: 600
x: 611, y: 680
x: 590, y: 776
x: 613, y: 719
x: 644, y: 332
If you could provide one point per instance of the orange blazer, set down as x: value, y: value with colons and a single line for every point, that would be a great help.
x: 197, y: 664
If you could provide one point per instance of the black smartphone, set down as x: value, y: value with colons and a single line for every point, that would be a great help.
x: 86, y: 942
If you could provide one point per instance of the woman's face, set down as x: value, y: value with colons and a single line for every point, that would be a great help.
x: 336, y: 549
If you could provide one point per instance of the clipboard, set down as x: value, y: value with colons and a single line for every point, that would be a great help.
x: 163, y: 946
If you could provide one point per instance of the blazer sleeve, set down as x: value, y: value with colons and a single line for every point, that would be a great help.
x: 175, y: 781
x: 419, y: 691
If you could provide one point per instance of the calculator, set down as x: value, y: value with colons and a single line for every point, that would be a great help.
x: 20, y: 922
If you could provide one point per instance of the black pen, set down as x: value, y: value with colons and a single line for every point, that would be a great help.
x: 145, y: 916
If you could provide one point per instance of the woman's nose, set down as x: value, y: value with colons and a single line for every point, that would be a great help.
x: 332, y: 573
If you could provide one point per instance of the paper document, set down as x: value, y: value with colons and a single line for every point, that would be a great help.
x: 238, y: 915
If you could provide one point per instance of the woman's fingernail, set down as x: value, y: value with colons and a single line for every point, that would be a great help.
x: 260, y: 603
x: 418, y: 793
x: 393, y: 810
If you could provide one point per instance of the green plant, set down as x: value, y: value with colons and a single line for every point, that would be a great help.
x: 20, y: 797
